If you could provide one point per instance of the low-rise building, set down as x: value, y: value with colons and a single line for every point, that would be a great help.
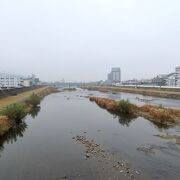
x: 170, y: 79
x: 165, y: 80
x: 27, y: 83
x: 159, y: 80
x: 8, y: 81
x: 131, y: 82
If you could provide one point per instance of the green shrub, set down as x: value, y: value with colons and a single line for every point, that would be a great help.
x: 34, y: 100
x: 15, y: 112
x: 124, y: 107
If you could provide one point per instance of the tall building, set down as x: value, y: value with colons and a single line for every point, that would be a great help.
x: 114, y: 76
x: 177, y: 72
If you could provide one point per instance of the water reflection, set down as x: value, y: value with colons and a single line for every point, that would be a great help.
x: 12, y: 136
x: 17, y: 131
x: 124, y: 120
x: 160, y: 126
x: 34, y: 112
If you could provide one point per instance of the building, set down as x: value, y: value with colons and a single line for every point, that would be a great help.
x: 114, y: 76
x: 171, y: 79
x: 8, y: 81
x: 177, y: 74
x: 27, y: 83
x: 165, y: 80
x: 159, y: 80
x: 145, y: 82
x: 34, y: 81
x: 131, y: 82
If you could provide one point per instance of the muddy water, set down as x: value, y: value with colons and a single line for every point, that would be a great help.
x: 45, y: 147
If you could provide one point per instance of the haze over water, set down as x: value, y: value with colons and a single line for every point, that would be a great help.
x: 81, y: 40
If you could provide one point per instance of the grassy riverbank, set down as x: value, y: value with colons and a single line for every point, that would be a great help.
x: 165, y: 116
x: 20, y: 97
x: 14, y: 108
x: 164, y: 93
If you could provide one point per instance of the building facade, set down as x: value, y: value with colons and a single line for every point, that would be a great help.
x: 171, y: 79
x: 177, y: 73
x: 114, y: 76
x: 8, y: 81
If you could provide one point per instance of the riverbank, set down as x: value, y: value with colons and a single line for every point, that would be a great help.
x: 164, y: 93
x: 6, y: 123
x: 156, y: 114
x: 21, y: 97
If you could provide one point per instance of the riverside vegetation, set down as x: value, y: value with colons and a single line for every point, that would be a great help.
x: 156, y: 92
x: 14, y: 113
x: 157, y: 114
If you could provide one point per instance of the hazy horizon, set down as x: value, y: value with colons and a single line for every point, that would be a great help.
x: 81, y: 40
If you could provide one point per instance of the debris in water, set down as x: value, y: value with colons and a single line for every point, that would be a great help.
x: 65, y: 177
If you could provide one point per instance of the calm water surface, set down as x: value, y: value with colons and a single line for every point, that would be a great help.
x: 42, y: 147
x: 138, y: 99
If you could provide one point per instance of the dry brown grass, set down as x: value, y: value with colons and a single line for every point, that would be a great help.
x: 161, y: 114
x: 153, y: 113
x: 145, y: 91
x: 47, y: 91
x: 42, y: 92
x: 105, y: 103
x: 19, y: 98
x: 5, y: 125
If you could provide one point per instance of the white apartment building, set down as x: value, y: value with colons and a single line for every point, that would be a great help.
x: 10, y: 81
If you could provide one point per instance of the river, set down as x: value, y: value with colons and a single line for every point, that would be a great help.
x: 49, y: 146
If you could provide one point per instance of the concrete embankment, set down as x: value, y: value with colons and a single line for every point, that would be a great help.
x: 157, y: 92
x: 5, y: 123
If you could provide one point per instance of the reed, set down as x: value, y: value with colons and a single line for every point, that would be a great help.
x: 120, y: 107
x: 34, y: 100
x: 5, y: 125
x: 153, y: 113
x: 15, y: 112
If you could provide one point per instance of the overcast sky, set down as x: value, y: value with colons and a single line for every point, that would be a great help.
x: 82, y: 39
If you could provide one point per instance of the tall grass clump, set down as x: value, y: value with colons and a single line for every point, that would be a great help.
x: 15, y: 112
x: 34, y: 100
x: 161, y: 114
x: 124, y: 107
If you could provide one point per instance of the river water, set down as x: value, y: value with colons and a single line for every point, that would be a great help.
x: 45, y: 145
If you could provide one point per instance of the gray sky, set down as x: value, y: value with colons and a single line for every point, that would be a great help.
x: 82, y: 39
